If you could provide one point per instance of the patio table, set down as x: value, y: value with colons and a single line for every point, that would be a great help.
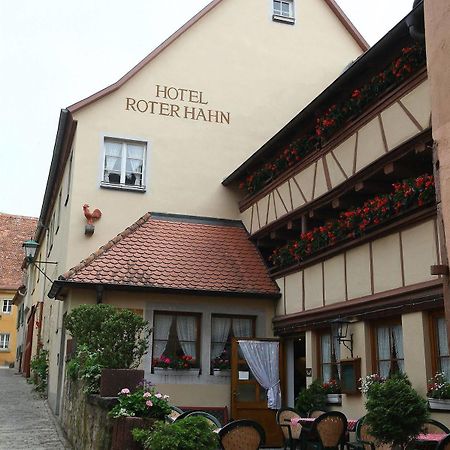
x: 308, y: 421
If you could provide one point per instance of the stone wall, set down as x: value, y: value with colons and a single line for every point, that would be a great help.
x: 85, y: 418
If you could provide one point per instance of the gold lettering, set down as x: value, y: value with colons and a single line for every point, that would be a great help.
x: 130, y: 105
x: 142, y: 102
x: 164, y: 109
x: 202, y: 114
x: 225, y: 117
x: 189, y: 111
x: 161, y: 89
x: 174, y: 110
x: 201, y: 99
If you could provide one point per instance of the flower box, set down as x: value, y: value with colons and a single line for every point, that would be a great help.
x: 176, y: 372
x: 442, y: 404
x: 122, y: 439
x: 334, y: 399
x: 222, y: 373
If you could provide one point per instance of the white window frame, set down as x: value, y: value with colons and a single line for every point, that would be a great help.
x: 279, y: 16
x: 4, y: 341
x: 7, y: 306
x: 122, y: 185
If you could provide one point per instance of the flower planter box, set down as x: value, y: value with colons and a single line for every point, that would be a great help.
x: 222, y: 373
x: 122, y: 439
x: 113, y: 381
x: 334, y: 399
x: 176, y: 372
x: 439, y: 403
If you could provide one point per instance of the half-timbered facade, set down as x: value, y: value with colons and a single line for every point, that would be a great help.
x: 341, y: 202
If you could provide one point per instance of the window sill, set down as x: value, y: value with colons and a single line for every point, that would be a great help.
x: 122, y: 187
x: 224, y: 373
x: 284, y: 19
x: 5, y: 350
x: 176, y: 373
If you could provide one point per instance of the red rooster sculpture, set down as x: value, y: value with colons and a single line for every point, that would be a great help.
x: 91, y: 216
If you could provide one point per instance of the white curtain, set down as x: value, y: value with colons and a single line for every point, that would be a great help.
x: 187, y: 334
x: 263, y: 359
x: 113, y: 155
x: 443, y: 347
x: 384, y: 351
x: 161, y: 333
x: 397, y: 337
x: 325, y: 351
x: 242, y: 327
x: 220, y: 330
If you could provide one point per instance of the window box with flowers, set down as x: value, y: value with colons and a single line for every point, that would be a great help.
x: 175, y: 365
x: 333, y: 392
x: 138, y: 409
x: 438, y: 392
x: 221, y: 365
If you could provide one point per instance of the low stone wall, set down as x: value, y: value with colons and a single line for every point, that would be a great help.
x: 85, y: 418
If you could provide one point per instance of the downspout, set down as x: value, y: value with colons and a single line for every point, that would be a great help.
x: 415, y: 24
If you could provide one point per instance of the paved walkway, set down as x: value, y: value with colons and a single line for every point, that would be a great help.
x: 25, y: 419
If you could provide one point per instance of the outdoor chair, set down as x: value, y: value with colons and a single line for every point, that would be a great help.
x: 432, y: 426
x: 242, y: 435
x: 184, y: 414
x: 327, y: 432
x: 174, y: 413
x: 444, y: 444
x: 291, y: 432
x: 212, y: 420
x: 364, y: 440
x: 314, y: 413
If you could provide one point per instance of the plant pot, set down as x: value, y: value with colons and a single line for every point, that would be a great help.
x: 113, y: 381
x: 122, y: 439
x: 222, y: 373
x: 439, y: 403
x: 334, y: 399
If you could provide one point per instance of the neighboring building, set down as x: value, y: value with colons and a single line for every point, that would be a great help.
x: 162, y: 139
x: 14, y: 230
x: 346, y: 237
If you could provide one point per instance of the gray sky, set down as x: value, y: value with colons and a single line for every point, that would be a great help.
x: 54, y: 53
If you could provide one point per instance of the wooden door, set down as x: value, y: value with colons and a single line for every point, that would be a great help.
x: 249, y: 399
x: 29, y: 343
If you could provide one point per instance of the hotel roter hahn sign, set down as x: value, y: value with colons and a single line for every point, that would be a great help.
x: 180, y: 103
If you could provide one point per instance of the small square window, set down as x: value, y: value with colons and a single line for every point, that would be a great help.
x: 7, y: 306
x: 4, y: 341
x: 124, y: 164
x: 283, y: 11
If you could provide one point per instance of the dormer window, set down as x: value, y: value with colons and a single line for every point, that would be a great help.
x: 124, y: 164
x: 283, y: 11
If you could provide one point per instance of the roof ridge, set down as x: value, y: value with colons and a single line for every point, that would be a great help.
x: 104, y: 248
x: 18, y: 216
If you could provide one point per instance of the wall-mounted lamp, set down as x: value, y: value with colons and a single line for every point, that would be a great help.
x: 340, y: 329
x: 30, y: 247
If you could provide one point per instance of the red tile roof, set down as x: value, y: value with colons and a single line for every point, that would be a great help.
x: 14, y: 230
x: 179, y: 253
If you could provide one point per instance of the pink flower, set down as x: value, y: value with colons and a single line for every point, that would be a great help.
x: 147, y: 394
x: 124, y: 391
x: 158, y: 395
x: 149, y: 403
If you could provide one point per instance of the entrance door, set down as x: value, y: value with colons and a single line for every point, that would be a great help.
x: 29, y: 343
x: 249, y: 398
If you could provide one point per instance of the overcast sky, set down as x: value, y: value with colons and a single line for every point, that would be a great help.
x: 54, y: 53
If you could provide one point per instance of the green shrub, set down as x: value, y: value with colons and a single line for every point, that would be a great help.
x: 395, y: 411
x: 117, y: 336
x: 191, y: 433
x: 39, y: 370
x: 312, y: 398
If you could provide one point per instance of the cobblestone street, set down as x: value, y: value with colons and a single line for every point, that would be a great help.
x: 25, y: 418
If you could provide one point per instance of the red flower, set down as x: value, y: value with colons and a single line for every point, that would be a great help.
x: 356, y: 93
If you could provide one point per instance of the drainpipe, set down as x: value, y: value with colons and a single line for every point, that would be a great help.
x: 415, y: 24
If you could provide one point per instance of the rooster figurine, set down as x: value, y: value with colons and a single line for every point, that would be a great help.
x: 91, y: 216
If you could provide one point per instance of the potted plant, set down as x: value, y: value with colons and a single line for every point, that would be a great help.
x: 311, y: 398
x: 221, y: 365
x: 395, y: 411
x: 438, y: 392
x: 191, y: 433
x: 333, y: 392
x: 138, y: 409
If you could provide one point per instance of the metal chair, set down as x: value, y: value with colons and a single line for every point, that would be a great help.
x: 328, y: 431
x: 242, y: 435
x: 364, y: 439
x: 291, y: 432
x: 444, y: 444
x: 315, y: 413
x: 212, y: 420
x: 174, y: 414
x: 432, y: 426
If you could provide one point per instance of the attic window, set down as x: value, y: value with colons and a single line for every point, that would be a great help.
x: 283, y: 11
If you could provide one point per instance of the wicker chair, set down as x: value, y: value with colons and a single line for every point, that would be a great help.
x: 434, y: 427
x: 291, y: 432
x: 444, y: 444
x: 315, y: 413
x: 212, y: 420
x: 174, y: 413
x: 242, y: 435
x: 365, y: 440
x: 328, y: 431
